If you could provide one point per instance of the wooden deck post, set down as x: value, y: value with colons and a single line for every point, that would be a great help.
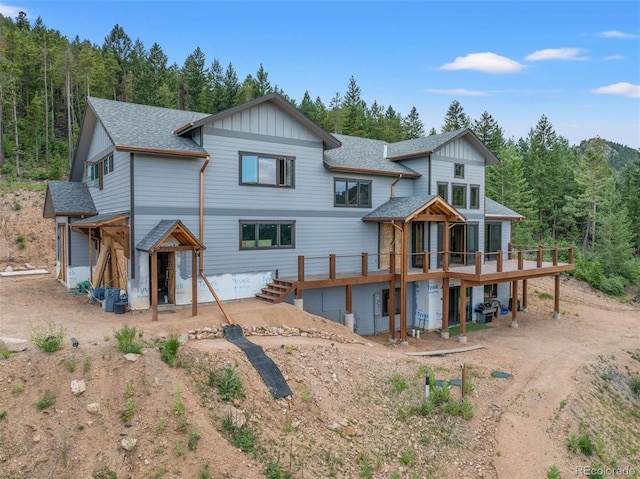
x: 425, y: 261
x: 332, y: 266
x: 571, y: 255
x: 478, y: 263
x: 514, y: 303
x: 445, y: 244
x: 365, y: 264
x: 510, y: 251
x: 539, y: 257
x: 555, y: 256
x: 403, y: 281
x: 392, y: 262
x: 462, y: 307
x: 301, y: 268
x: 445, y: 308
x: 520, y: 259
x: 391, y: 308
x: 349, y: 299
x: 524, y: 295
x: 556, y: 297
x: 154, y: 286
x: 194, y: 282
x: 499, y: 261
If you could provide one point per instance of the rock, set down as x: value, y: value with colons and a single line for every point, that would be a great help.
x: 29, y: 266
x: 183, y: 338
x: 14, y: 345
x: 334, y: 426
x: 36, y: 437
x: 129, y: 443
x: 2, y: 345
x: 350, y: 431
x: 8, y: 269
x: 78, y: 387
x: 237, y: 417
x: 131, y: 357
x: 93, y: 408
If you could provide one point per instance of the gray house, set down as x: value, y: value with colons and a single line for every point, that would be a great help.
x: 177, y: 207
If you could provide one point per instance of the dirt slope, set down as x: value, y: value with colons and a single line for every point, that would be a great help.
x: 353, y: 409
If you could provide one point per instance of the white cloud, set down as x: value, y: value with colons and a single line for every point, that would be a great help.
x: 617, y: 34
x: 623, y: 89
x: 614, y: 57
x: 457, y: 92
x: 8, y: 11
x: 486, y: 62
x: 555, y: 54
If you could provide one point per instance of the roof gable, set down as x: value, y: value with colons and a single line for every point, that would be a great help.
x: 408, y: 208
x: 163, y: 230
x: 68, y: 198
x: 328, y: 140
x: 427, y: 145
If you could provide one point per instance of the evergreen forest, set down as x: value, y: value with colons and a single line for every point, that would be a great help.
x: 585, y: 196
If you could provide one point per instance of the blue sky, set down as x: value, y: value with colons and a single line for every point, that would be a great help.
x: 576, y: 62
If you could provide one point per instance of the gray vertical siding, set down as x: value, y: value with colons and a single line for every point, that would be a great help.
x: 115, y: 194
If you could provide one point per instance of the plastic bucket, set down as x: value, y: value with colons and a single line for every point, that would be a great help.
x: 119, y: 307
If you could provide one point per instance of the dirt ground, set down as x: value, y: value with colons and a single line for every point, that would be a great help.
x: 348, y: 416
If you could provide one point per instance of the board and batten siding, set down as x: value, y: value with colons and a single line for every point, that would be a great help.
x: 100, y: 143
x: 421, y: 184
x: 265, y: 119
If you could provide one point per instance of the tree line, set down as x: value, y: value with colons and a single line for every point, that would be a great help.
x: 584, y: 196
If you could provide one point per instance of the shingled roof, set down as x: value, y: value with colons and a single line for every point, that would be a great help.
x: 142, y: 127
x: 68, y: 198
x: 365, y: 155
x: 163, y: 230
x: 493, y: 209
x: 406, y: 207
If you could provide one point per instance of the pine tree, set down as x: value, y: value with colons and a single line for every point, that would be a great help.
x: 629, y: 187
x: 489, y: 132
x: 354, y: 110
x: 194, y: 84
x: 118, y: 46
x: 412, y: 125
x: 455, y: 118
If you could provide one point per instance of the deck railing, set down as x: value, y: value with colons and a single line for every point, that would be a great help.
x: 364, y: 263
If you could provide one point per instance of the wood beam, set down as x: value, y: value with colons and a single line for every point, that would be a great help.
x: 462, y: 307
x: 153, y: 292
x: 391, y: 308
x: 403, y: 282
x: 194, y: 283
x: 445, y: 305
x: 514, y: 302
x: 349, y: 299
x: 524, y: 294
x: 120, y: 234
x: 556, y: 296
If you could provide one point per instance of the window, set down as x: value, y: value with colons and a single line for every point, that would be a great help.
x: 458, y: 170
x: 352, y: 193
x: 459, y: 196
x: 98, y: 170
x: 443, y: 190
x: 493, y: 239
x: 385, y: 302
x: 266, y: 234
x: 474, y: 200
x: 264, y: 170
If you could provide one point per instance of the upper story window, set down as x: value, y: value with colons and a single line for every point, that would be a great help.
x: 352, y: 193
x: 459, y: 196
x: 443, y: 190
x: 474, y: 197
x: 266, y: 234
x: 266, y: 170
x: 458, y: 170
x: 98, y: 170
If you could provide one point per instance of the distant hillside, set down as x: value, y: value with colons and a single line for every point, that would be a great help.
x: 619, y: 155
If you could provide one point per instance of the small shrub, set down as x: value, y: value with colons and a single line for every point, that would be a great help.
x: 597, y: 471
x: 408, y: 457
x: 16, y: 206
x: 192, y: 439
x: 366, y: 469
x: 169, y: 350
x: 128, y: 389
x: 160, y: 426
x: 229, y: 384
x: 553, y: 472
x: 47, y: 399
x: 580, y: 444
x: 103, y: 472
x: 130, y: 409
x: 274, y: 471
x: 399, y: 383
x: 204, y: 472
x: 86, y: 365
x: 543, y: 295
x: 3, y: 414
x: 425, y: 408
x: 178, y: 404
x: 20, y: 242
x: 634, y: 383
x: 243, y: 438
x: 5, y: 353
x: 71, y: 364
x: 48, y: 339
x: 127, y: 338
x: 18, y: 390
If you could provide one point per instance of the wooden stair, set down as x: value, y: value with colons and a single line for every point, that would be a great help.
x: 276, y: 292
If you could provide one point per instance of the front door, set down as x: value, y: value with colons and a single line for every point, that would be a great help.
x: 454, y: 306
x: 166, y: 277
x: 457, y: 244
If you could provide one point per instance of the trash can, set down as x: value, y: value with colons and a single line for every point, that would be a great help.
x: 111, y: 296
x: 120, y: 307
x: 97, y: 294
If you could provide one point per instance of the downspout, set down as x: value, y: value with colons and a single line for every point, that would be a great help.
x: 393, y: 185
x: 201, y: 263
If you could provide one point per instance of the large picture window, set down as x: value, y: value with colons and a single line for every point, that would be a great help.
x: 352, y: 193
x: 266, y: 234
x: 265, y: 170
x: 459, y: 196
x: 443, y: 190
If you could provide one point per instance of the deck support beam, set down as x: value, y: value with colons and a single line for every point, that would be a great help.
x: 514, y: 304
x: 462, y: 337
x: 391, y: 308
x: 154, y: 286
x: 524, y: 296
x: 444, y: 333
x: 556, y: 297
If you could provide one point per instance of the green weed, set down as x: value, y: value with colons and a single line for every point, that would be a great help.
x: 49, y: 338
x: 71, y: 364
x: 47, y: 399
x: 204, y: 472
x: 129, y: 339
x: 192, y: 439
x: 169, y: 350
x: 228, y: 383
x: 553, y: 472
x: 130, y: 409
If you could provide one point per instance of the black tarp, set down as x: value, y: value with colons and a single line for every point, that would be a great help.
x: 268, y: 370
